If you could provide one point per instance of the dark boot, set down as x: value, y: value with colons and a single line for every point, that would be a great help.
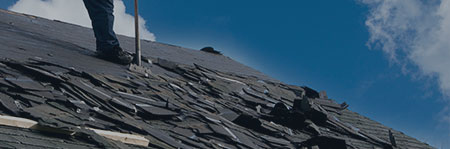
x: 115, y: 55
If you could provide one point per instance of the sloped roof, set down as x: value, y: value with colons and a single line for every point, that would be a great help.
x: 191, y: 99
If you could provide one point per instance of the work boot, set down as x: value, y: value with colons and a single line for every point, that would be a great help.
x: 115, y: 55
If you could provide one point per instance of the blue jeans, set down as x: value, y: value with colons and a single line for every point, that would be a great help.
x: 101, y: 14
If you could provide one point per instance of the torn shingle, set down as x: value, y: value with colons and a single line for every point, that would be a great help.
x: 392, y: 139
x: 124, y: 105
x: 153, y: 112
x: 310, y: 93
x: 210, y: 50
x: 27, y: 84
x: 10, y: 105
x: 324, y: 142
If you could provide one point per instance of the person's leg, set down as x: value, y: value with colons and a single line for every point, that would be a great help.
x: 108, y: 48
x: 101, y: 14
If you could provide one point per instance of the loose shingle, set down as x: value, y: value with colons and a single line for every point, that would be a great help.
x: 153, y: 112
x: 27, y: 84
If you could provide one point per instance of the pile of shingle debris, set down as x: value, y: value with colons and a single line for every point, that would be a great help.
x: 193, y: 107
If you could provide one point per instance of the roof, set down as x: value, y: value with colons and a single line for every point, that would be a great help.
x: 180, y: 98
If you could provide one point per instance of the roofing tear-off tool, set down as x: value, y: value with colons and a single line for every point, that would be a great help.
x: 137, y: 59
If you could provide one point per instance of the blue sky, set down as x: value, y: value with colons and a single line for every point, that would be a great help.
x: 321, y: 44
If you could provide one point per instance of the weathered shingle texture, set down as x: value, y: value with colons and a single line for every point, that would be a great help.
x: 192, y: 99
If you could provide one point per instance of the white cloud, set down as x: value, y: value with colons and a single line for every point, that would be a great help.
x: 73, y: 11
x: 413, y: 33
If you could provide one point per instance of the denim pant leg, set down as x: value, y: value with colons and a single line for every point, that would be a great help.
x: 101, y: 14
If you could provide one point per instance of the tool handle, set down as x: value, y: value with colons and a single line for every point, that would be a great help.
x: 137, y: 36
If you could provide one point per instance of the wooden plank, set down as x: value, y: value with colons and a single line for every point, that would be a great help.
x: 30, y: 124
x: 125, y: 138
x: 17, y: 122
